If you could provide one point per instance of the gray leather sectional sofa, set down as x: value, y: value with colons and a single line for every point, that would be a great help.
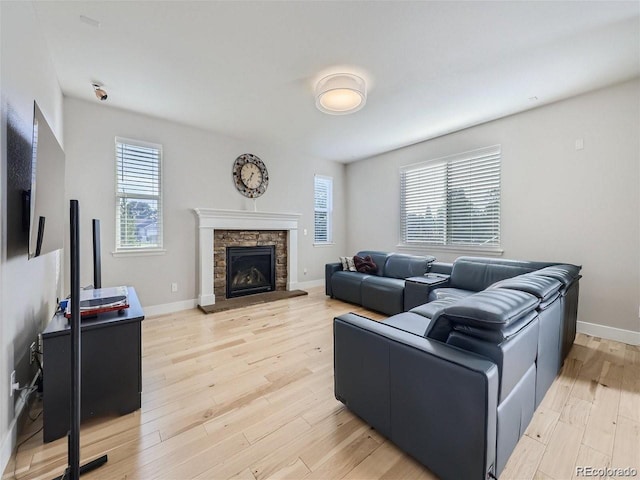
x: 383, y: 290
x: 455, y: 382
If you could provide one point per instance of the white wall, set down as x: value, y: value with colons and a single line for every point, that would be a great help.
x: 197, y: 173
x: 558, y: 204
x: 28, y: 288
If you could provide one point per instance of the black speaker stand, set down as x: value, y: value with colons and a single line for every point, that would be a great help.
x: 87, y: 467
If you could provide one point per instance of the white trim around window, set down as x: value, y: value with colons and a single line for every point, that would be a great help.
x: 452, y: 203
x: 138, y: 198
x: 322, y: 210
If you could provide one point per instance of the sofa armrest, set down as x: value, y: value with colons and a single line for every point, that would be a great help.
x: 329, y: 270
x: 433, y: 400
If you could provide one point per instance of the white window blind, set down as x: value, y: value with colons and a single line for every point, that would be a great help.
x: 453, y: 200
x: 138, y: 195
x: 323, y: 197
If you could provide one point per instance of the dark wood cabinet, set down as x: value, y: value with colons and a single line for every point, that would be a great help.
x: 111, y: 367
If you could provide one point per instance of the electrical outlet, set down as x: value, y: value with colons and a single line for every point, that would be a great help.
x: 12, y: 383
x: 32, y: 353
x: 174, y: 287
x: 304, y: 271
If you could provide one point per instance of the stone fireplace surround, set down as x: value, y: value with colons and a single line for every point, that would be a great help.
x: 210, y: 220
x: 222, y: 239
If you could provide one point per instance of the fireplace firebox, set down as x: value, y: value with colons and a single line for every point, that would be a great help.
x: 250, y: 270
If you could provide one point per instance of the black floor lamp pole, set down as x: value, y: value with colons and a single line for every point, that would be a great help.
x: 74, y: 470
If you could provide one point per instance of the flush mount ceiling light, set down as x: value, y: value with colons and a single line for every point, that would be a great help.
x: 340, y: 94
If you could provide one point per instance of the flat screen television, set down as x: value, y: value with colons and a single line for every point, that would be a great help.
x: 46, y: 197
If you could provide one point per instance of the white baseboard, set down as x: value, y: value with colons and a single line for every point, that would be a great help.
x: 9, y: 440
x: 310, y: 284
x: 166, y: 308
x: 610, y: 333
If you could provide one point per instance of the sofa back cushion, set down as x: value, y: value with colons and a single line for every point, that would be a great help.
x: 527, y: 264
x: 405, y: 266
x: 545, y: 288
x: 564, y: 273
x: 492, y: 309
x: 379, y: 258
x: 493, y: 315
x: 476, y: 275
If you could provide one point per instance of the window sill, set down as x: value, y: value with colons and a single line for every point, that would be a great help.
x: 324, y: 244
x: 142, y: 252
x: 487, y: 251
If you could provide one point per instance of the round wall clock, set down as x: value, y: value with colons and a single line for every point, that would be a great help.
x: 250, y: 175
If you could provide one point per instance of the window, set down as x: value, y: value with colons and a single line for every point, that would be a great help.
x: 138, y: 195
x: 323, y: 195
x: 452, y: 201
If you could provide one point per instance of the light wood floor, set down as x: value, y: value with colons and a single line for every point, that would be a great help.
x: 248, y: 394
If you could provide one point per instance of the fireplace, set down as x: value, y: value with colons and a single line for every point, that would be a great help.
x: 212, y: 263
x: 250, y: 270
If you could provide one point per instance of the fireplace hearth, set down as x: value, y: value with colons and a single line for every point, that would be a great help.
x: 250, y: 270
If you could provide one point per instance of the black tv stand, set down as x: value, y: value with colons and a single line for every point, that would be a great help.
x: 111, y: 376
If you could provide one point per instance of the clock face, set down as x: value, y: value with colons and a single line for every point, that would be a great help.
x: 250, y: 175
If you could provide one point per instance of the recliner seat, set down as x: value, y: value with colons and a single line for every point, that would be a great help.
x: 549, y: 355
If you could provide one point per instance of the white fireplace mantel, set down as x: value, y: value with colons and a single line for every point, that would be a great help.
x: 210, y: 219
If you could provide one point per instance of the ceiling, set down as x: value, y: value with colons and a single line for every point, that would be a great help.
x: 247, y: 69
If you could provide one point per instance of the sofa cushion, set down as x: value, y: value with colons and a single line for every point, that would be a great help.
x: 473, y: 275
x: 379, y: 258
x: 383, y: 294
x: 405, y: 266
x: 409, y: 322
x: 393, y: 283
x: 347, y: 286
x: 448, y: 293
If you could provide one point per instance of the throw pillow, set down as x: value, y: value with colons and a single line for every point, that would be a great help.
x: 351, y: 264
x: 347, y: 264
x: 365, y: 265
